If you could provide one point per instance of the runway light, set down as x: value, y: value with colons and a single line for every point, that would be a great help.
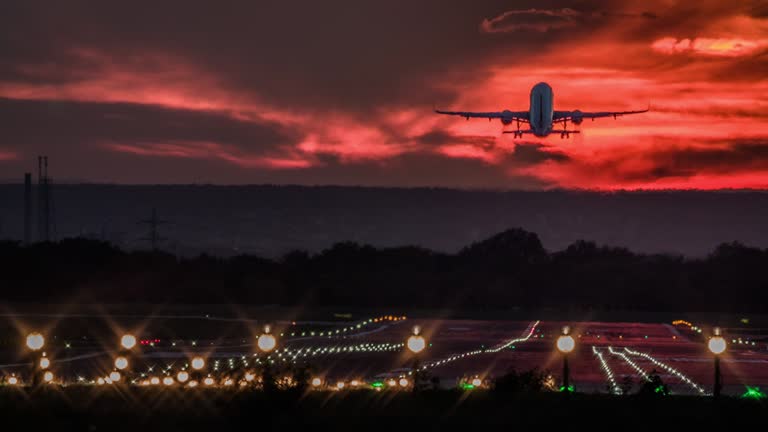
x: 354, y: 383
x: 154, y: 380
x: 340, y: 385
x: 229, y: 382
x: 403, y: 382
x: 35, y: 341
x: 392, y: 383
x: 182, y: 376
x: 13, y: 380
x: 128, y: 341
x: 100, y: 381
x: 316, y: 382
x: 198, y: 363
x: 168, y: 381
x: 121, y: 363
x: 45, y: 362
x: 208, y: 381
x: 477, y: 382
x: 249, y: 376
x: 114, y: 376
x: 48, y: 376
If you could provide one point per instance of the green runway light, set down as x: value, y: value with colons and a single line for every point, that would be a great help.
x: 753, y: 393
x: 377, y: 384
x: 467, y: 386
x: 569, y: 390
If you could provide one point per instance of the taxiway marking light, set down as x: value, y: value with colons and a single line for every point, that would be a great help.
x: 35, y: 341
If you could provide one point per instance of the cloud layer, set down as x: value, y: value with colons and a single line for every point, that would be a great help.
x: 341, y: 92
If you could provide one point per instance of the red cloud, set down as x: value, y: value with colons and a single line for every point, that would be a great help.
x: 724, y: 47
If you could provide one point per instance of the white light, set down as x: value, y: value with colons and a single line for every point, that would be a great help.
x: 416, y: 344
x: 566, y: 344
x: 182, y: 376
x: 114, y: 376
x: 48, y: 376
x: 717, y: 345
x: 316, y: 382
x: 228, y: 382
x: 154, y: 380
x: 392, y: 383
x: 44, y: 363
x: 354, y: 383
x: 168, y: 381
x: 477, y: 382
x: 100, y: 381
x: 121, y: 363
x: 266, y: 342
x: 13, y: 380
x: 198, y: 363
x: 208, y: 381
x: 192, y: 383
x: 249, y: 376
x: 340, y: 385
x: 403, y: 382
x: 35, y: 341
x: 128, y: 341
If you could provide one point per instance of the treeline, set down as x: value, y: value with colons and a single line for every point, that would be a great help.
x: 510, y: 269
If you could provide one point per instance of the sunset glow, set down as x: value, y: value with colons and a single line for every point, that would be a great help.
x: 324, y: 114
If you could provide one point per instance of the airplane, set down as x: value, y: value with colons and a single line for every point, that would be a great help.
x: 541, y: 116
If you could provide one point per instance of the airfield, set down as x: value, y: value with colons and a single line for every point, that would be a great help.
x: 343, y: 354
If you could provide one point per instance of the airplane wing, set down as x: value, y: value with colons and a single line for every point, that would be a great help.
x: 577, y: 115
x: 506, y: 115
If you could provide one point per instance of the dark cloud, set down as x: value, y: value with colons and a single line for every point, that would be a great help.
x: 62, y: 128
x: 535, y: 153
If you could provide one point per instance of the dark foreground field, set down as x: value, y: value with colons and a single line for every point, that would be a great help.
x: 112, y: 409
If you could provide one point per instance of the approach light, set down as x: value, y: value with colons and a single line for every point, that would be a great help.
x: 13, y: 380
x: 192, y: 384
x: 266, y: 341
x: 403, y: 382
x: 45, y: 363
x: 121, y: 363
x: 182, y: 376
x: 168, y: 381
x: 340, y: 385
x: 48, y: 376
x: 208, y: 381
x: 154, y: 381
x: 128, y: 341
x: 477, y: 382
x: 35, y: 341
x: 114, y: 376
x: 316, y: 382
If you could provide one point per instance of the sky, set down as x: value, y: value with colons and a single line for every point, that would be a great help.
x: 342, y: 92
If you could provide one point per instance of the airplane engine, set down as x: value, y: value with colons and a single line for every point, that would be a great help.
x: 577, y: 118
x: 507, y: 118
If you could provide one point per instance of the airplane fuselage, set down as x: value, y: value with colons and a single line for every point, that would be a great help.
x: 541, y: 109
